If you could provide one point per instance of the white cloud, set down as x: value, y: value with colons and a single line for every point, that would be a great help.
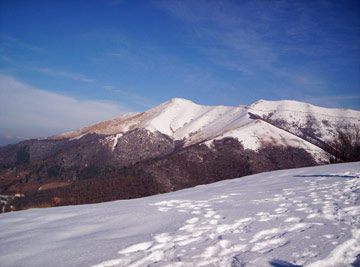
x: 30, y: 112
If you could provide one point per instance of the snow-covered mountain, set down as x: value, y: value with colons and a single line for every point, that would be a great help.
x: 264, y: 123
x: 175, y: 145
x: 315, y: 124
x: 308, y: 217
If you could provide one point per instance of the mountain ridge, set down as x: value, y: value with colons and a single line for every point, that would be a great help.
x: 180, y: 118
x: 175, y: 145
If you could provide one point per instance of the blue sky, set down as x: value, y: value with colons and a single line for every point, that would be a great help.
x: 68, y: 64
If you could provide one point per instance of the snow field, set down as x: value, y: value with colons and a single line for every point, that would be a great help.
x: 305, y: 217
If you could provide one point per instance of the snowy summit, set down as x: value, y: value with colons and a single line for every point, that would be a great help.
x: 254, y: 126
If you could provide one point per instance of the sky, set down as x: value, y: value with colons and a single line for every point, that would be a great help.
x: 68, y: 64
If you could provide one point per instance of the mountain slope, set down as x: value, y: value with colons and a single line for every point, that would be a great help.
x: 315, y: 124
x: 175, y: 145
x: 304, y: 217
x: 106, y: 127
x: 184, y: 120
x: 177, y: 118
x: 258, y: 134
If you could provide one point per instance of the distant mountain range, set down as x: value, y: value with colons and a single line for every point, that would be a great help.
x: 175, y: 145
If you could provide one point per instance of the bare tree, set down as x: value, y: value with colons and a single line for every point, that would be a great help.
x: 346, y: 144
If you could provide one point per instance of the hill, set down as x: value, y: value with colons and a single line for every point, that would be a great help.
x: 175, y: 145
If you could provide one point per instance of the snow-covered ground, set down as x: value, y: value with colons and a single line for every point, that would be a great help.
x: 301, y: 217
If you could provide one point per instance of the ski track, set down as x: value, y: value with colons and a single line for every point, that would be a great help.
x: 263, y: 231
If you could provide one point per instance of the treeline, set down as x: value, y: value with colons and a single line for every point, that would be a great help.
x: 194, y: 165
x: 90, y: 191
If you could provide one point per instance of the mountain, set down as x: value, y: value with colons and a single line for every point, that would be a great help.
x: 307, y: 217
x: 314, y: 124
x: 175, y: 145
x: 184, y: 120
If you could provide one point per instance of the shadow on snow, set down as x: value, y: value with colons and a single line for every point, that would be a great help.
x: 280, y: 263
x: 328, y: 175
x: 356, y: 263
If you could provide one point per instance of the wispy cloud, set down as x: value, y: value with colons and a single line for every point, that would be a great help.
x: 337, y: 97
x: 31, y: 112
x: 224, y: 35
x: 131, y: 97
x: 335, y: 101
x: 9, y: 40
x: 61, y: 73
x: 48, y: 71
x: 257, y: 37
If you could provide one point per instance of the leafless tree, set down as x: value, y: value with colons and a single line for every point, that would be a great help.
x: 346, y: 144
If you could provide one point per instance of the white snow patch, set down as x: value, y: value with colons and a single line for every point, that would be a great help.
x: 77, y: 137
x: 136, y: 247
x: 115, y: 141
x: 293, y: 220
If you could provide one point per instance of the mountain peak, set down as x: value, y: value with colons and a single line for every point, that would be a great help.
x: 182, y: 119
x: 179, y: 100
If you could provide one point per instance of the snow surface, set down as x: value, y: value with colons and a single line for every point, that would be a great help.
x: 257, y: 134
x: 301, y: 217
